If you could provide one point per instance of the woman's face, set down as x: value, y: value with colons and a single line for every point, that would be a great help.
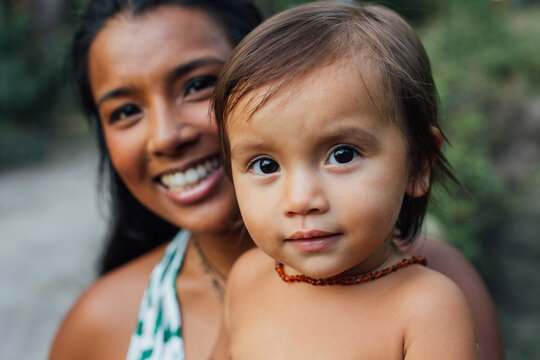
x: 152, y: 77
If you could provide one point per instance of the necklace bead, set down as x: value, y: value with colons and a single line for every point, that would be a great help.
x: 351, y: 280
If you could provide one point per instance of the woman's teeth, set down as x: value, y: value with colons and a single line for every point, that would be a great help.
x: 183, y: 180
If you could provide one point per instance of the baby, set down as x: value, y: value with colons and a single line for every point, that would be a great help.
x: 327, y: 114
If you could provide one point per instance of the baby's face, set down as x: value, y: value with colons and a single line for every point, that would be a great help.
x: 319, y: 174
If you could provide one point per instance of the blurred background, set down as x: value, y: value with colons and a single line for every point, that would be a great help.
x: 486, y: 61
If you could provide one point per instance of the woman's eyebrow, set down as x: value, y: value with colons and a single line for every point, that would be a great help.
x: 174, y: 74
x: 123, y: 91
x: 183, y: 69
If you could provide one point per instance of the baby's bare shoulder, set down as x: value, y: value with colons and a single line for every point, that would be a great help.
x: 437, y: 317
x: 252, y: 264
x: 424, y: 282
x: 423, y: 291
x: 249, y: 269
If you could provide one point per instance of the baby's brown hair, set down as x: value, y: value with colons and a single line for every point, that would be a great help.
x: 292, y: 43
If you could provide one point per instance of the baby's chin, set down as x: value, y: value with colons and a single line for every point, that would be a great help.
x: 319, y: 271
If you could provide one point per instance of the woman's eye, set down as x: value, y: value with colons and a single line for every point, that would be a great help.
x: 199, y: 84
x: 342, y: 155
x: 124, y: 112
x: 264, y: 166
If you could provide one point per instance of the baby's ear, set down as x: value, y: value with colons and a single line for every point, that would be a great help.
x: 419, y: 184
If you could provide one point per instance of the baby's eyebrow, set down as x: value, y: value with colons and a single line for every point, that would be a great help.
x: 246, y: 148
x: 338, y: 134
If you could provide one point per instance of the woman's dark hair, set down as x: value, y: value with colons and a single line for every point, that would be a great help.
x: 295, y: 42
x: 134, y: 230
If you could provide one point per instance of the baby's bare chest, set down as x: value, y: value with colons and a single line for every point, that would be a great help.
x: 316, y: 325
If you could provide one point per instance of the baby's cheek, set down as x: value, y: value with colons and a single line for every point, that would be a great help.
x: 260, y: 231
x: 260, y: 221
x: 374, y: 210
x: 250, y: 206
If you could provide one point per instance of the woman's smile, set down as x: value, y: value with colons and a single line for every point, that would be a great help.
x: 194, y: 183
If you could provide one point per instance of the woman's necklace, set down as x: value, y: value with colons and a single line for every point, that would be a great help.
x: 351, y: 280
x: 211, y: 272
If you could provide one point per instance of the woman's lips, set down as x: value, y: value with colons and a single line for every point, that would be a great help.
x: 182, y: 180
x: 313, y: 240
x: 198, y: 191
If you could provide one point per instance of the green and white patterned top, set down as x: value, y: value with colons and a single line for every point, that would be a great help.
x: 158, y: 335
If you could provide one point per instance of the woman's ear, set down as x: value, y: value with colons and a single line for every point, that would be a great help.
x: 419, y: 184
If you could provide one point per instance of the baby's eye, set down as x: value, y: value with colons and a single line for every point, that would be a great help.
x: 199, y: 84
x: 342, y: 155
x: 124, y: 112
x: 264, y: 166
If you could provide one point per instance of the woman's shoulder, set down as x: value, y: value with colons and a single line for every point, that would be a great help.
x: 119, y: 288
x: 100, y: 323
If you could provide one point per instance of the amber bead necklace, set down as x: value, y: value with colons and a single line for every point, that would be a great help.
x: 351, y: 280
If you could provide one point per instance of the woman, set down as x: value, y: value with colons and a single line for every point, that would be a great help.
x: 146, y: 70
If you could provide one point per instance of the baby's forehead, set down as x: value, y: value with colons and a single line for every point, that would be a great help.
x: 357, y: 78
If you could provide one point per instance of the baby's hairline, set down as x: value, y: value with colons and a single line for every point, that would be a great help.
x: 374, y: 86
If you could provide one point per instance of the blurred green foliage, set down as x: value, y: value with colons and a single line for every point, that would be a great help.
x: 415, y: 11
x: 34, y: 89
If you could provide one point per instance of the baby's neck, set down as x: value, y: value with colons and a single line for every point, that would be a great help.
x: 384, y: 257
